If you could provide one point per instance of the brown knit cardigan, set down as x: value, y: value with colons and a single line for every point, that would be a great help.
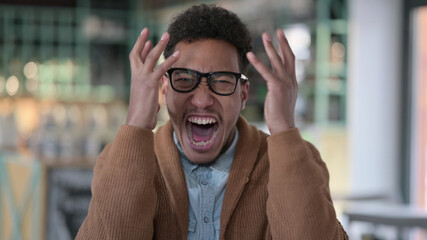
x: 277, y: 189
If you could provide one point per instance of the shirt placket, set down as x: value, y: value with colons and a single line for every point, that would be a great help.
x: 207, y: 197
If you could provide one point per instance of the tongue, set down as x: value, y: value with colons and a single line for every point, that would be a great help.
x: 202, y: 132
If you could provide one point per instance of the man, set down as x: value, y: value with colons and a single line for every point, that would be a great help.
x: 208, y: 174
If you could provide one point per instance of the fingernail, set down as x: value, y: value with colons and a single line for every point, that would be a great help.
x: 250, y: 55
x: 143, y: 30
x: 267, y: 37
x: 163, y: 36
x: 175, y: 54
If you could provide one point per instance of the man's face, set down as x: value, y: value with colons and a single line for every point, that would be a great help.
x: 205, y: 122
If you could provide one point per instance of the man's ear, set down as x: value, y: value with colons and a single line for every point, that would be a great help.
x: 245, y: 93
x: 164, y: 89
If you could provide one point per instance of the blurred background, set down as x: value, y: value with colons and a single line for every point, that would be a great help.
x: 362, y: 73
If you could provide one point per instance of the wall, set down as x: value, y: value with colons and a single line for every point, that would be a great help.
x: 374, y: 95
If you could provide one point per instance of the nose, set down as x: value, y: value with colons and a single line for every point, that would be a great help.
x: 202, y: 96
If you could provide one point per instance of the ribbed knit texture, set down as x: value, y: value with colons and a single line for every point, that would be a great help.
x: 123, y: 195
x: 277, y: 189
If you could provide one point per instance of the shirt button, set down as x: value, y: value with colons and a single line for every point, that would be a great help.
x: 206, y: 219
x: 204, y: 182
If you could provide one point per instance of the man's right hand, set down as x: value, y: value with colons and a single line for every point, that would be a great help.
x: 144, y: 91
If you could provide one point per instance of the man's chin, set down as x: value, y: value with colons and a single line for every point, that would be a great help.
x: 201, y: 158
x: 202, y: 162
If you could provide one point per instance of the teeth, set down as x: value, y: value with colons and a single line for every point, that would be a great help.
x: 201, y: 120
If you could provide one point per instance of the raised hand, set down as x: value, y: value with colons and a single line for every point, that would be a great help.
x: 144, y: 92
x: 279, y: 108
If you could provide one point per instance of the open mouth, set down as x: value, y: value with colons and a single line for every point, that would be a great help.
x: 202, y: 131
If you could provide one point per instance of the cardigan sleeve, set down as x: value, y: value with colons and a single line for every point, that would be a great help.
x: 299, y: 204
x: 123, y: 200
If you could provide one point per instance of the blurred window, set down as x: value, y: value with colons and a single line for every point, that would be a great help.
x: 419, y: 107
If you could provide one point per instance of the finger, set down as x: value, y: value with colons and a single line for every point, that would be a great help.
x: 146, y: 50
x: 275, y: 60
x: 162, y: 68
x: 153, y: 56
x: 285, y: 50
x: 134, y: 55
x: 265, y: 71
x: 281, y: 51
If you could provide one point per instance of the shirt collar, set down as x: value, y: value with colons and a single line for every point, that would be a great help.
x: 222, y: 163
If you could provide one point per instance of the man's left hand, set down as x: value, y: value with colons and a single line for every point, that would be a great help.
x: 279, y: 109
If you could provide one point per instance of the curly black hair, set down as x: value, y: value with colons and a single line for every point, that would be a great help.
x: 210, y: 22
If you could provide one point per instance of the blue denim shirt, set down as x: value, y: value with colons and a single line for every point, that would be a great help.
x: 206, y: 188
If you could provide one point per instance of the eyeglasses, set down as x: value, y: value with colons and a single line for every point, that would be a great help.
x: 222, y: 83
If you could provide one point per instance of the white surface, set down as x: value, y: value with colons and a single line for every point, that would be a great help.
x: 374, y: 94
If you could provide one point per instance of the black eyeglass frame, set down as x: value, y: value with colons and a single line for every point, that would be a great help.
x: 239, y: 76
